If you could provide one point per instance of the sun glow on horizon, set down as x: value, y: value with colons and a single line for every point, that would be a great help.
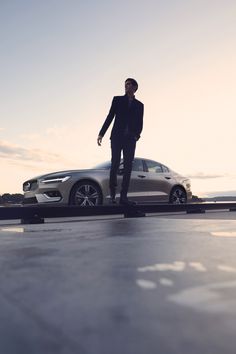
x: 57, y: 87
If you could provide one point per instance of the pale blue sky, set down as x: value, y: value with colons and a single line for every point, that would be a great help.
x: 63, y: 60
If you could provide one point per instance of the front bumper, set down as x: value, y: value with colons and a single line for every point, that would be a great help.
x: 45, y: 197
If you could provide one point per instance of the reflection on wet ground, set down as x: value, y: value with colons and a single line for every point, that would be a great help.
x: 144, y: 285
x: 23, y: 229
x: 211, y: 297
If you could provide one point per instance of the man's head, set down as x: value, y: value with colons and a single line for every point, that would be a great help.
x: 131, y: 86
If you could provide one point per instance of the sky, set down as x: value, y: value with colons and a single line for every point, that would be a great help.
x: 62, y: 61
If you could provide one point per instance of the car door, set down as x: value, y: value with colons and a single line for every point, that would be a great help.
x: 138, y: 186
x: 159, y: 181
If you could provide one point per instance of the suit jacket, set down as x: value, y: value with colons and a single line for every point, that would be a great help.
x: 127, y: 117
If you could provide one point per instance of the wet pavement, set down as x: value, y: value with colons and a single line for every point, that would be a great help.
x: 161, y: 284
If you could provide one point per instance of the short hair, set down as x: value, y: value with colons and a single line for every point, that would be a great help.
x: 133, y: 82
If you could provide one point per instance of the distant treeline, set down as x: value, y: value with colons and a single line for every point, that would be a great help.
x: 17, y: 198
x: 7, y: 198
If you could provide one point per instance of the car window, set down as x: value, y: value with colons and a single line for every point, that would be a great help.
x: 121, y: 166
x: 153, y: 166
x: 165, y: 169
x: 137, y: 165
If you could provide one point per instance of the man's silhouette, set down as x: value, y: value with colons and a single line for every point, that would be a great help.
x: 127, y: 127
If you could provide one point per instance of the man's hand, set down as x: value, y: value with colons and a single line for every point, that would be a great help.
x: 99, y: 140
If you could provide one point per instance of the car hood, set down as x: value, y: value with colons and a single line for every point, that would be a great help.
x: 66, y: 172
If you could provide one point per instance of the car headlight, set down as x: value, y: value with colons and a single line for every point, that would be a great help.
x: 26, y: 186
x: 57, y: 179
x: 30, y: 185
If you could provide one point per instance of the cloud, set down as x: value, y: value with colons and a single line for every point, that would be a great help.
x: 75, y: 141
x: 15, y: 152
x: 201, y: 175
x: 220, y: 194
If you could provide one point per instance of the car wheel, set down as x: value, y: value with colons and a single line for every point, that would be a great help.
x: 178, y: 196
x: 86, y: 193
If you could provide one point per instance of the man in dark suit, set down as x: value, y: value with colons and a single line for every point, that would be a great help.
x: 128, y: 124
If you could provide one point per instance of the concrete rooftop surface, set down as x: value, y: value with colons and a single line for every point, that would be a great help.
x: 163, y: 284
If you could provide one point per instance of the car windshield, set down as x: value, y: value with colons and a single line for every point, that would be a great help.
x: 136, y: 166
x: 103, y: 166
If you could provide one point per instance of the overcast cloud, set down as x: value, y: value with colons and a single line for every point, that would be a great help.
x: 15, y: 152
x: 200, y: 175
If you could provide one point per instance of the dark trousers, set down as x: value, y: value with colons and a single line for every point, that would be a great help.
x: 126, y: 144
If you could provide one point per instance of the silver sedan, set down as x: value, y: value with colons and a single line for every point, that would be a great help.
x: 151, y: 181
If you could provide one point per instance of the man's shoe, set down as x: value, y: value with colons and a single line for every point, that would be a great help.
x: 134, y: 214
x: 113, y: 201
x: 126, y: 201
x: 113, y: 195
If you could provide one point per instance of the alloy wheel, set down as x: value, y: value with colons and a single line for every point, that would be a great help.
x: 86, y: 195
x: 178, y: 196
